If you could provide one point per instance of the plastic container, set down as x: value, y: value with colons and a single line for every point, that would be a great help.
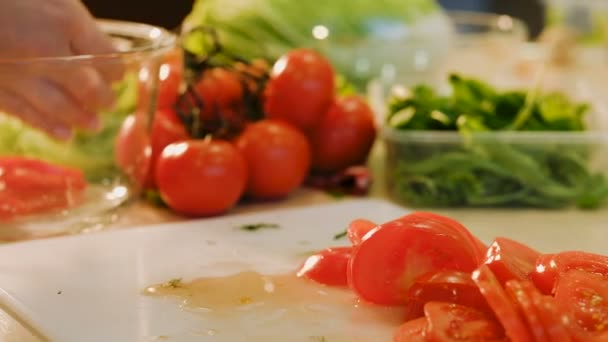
x: 427, y: 168
x: 51, y: 186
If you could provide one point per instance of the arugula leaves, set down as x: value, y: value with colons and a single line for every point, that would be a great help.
x: 486, y: 170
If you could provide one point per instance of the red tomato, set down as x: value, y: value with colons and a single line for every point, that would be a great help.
x: 133, y: 150
x: 549, y: 267
x: 553, y: 321
x: 327, y: 267
x: 583, y: 297
x: 170, y: 76
x: 31, y: 186
x: 452, y: 322
x: 393, y: 255
x: 201, y: 177
x: 412, y: 331
x: 219, y: 88
x: 503, y: 308
x: 521, y: 293
x: 510, y: 259
x: 357, y: 229
x: 301, y: 89
x: 166, y: 129
x: 278, y: 158
x: 449, y: 287
x: 344, y: 136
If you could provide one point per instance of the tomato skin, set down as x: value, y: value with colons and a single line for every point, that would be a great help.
x: 503, y: 308
x: 411, y: 331
x: 166, y: 129
x: 509, y: 259
x: 219, y: 88
x: 301, y: 89
x: 133, y: 149
x: 357, y: 229
x: 549, y: 267
x: 449, y: 287
x: 583, y: 297
x: 170, y: 77
x: 327, y: 267
x: 522, y: 293
x: 344, y: 136
x: 406, y: 248
x: 201, y: 177
x: 278, y: 158
x: 452, y: 322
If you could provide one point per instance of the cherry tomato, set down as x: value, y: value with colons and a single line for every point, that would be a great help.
x: 503, y: 308
x: 301, y: 89
x: 510, y: 259
x: 411, y: 331
x: 219, y: 88
x: 344, y: 136
x: 133, y: 150
x: 278, y: 158
x: 166, y: 129
x: 583, y: 297
x: 357, y: 229
x: 393, y: 255
x: 549, y: 267
x: 201, y: 177
x: 521, y: 292
x: 31, y: 186
x: 327, y: 267
x: 170, y: 77
x: 553, y: 320
x: 449, y: 287
x: 452, y: 322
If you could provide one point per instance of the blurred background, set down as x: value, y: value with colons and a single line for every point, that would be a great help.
x: 169, y: 14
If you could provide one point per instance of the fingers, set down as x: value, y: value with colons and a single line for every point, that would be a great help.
x: 85, y: 85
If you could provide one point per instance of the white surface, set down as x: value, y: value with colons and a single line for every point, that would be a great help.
x: 101, y: 275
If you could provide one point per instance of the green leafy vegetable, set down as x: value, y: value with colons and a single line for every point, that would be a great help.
x: 258, y: 226
x: 341, y: 235
x: 501, y: 169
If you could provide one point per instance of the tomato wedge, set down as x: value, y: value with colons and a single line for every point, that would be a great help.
x: 393, y: 255
x: 450, y: 287
x: 327, y: 267
x: 583, y: 297
x: 549, y: 267
x: 554, y: 322
x: 510, y: 259
x: 411, y: 331
x: 503, y: 308
x: 31, y: 186
x: 520, y: 293
x: 452, y: 322
x: 358, y: 228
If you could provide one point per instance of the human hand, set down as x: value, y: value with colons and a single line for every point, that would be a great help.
x: 49, y: 93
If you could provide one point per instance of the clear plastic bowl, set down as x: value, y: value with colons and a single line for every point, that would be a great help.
x: 107, y: 169
x: 543, y: 169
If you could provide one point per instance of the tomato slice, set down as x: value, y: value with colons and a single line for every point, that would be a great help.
x: 452, y: 322
x: 358, y: 228
x: 583, y: 296
x: 503, y: 308
x: 411, y: 331
x: 554, y: 322
x: 510, y: 259
x: 450, y: 287
x: 31, y: 186
x: 327, y: 267
x: 521, y: 293
x: 393, y: 255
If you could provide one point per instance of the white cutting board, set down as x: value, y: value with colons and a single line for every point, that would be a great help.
x: 87, y: 288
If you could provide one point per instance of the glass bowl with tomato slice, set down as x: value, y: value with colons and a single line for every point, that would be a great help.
x: 75, y: 130
x: 499, y: 124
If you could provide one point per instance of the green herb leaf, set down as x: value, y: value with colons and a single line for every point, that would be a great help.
x: 258, y: 226
x: 341, y: 235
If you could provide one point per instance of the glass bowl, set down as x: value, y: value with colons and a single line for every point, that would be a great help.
x: 51, y: 185
x: 504, y: 167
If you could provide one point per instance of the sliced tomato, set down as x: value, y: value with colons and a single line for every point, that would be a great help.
x: 554, y: 322
x: 583, y: 296
x: 452, y: 322
x: 548, y: 268
x: 393, y: 255
x: 509, y: 259
x: 450, y: 287
x: 503, y: 307
x: 31, y: 186
x: 327, y: 267
x: 358, y: 228
x: 411, y: 331
x: 521, y: 293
